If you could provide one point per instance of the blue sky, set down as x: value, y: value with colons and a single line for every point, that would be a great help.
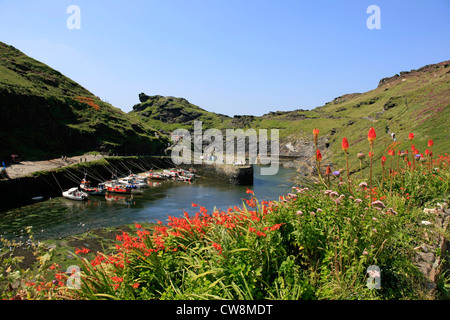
x: 229, y: 56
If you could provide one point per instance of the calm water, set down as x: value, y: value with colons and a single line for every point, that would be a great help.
x: 60, y: 217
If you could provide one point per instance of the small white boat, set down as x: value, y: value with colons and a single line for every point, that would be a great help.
x: 75, y: 194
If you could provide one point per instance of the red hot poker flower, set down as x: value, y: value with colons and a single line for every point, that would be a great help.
x: 328, y: 170
x: 318, y: 156
x: 370, y: 154
x: 411, y: 136
x: 315, y: 132
x: 345, y: 144
x: 391, y: 152
x: 430, y: 143
x: 372, y: 135
x: 383, y: 160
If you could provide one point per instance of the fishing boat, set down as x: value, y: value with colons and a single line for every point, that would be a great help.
x: 140, y: 181
x: 75, y: 194
x: 157, y: 176
x: 118, y: 188
x: 172, y: 173
x: 186, y: 177
x: 85, y: 186
x: 132, y: 181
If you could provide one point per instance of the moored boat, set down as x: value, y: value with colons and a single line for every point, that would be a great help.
x: 157, y: 175
x: 187, y: 178
x: 75, y: 194
x: 132, y: 181
x: 85, y: 186
x: 118, y: 188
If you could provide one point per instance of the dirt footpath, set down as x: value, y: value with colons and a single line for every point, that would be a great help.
x: 25, y: 168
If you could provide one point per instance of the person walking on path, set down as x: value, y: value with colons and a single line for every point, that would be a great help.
x: 393, y: 137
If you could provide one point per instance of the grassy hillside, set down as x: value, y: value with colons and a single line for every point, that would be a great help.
x: 45, y: 114
x: 170, y: 113
x: 417, y: 101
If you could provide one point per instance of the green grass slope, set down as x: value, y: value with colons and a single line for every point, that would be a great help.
x: 417, y: 101
x: 45, y: 114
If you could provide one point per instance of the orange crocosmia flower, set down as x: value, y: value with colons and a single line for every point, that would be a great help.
x: 84, y: 250
x: 430, y: 143
x: 218, y: 247
x: 117, y: 279
x: 249, y: 191
x: 318, y: 155
x: 345, y: 144
x: 371, y: 135
x: 411, y: 136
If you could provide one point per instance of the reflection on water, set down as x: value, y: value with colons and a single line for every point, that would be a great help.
x: 60, y: 217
